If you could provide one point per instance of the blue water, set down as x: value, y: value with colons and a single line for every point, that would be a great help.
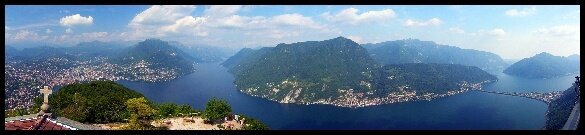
x: 471, y: 110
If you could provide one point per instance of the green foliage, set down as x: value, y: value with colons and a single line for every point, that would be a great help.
x: 336, y: 63
x: 140, y: 113
x: 167, y: 110
x: 427, y: 78
x: 38, y: 101
x: 93, y: 102
x: 320, y: 68
x: 216, y: 109
x: 560, y: 109
x: 416, y: 51
x: 16, y: 112
x: 253, y: 124
x: 158, y: 53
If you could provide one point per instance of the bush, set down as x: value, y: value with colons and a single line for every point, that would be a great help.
x: 216, y: 109
x: 140, y: 113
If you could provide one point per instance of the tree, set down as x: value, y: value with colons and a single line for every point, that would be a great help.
x: 216, y: 109
x: 140, y: 113
x: 253, y: 124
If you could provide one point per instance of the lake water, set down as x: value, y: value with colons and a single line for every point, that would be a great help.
x: 470, y: 110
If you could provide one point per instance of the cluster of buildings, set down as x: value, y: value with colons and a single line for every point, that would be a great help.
x: 350, y: 98
x: 23, y: 78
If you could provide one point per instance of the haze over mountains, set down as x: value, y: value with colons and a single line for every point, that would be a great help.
x: 417, y: 51
x: 545, y: 65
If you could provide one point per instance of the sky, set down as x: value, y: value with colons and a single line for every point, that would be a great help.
x: 513, y: 32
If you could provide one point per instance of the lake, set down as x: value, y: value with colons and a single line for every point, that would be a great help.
x: 470, y: 110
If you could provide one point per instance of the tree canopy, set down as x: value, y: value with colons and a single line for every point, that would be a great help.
x: 93, y: 102
x: 216, y: 109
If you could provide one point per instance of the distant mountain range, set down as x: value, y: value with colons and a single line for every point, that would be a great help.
x: 416, y: 51
x: 332, y: 70
x: 156, y: 54
x: 545, y: 65
x: 204, y: 53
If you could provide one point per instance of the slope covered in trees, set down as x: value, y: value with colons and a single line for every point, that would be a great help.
x: 545, y: 65
x: 319, y: 71
x: 416, y: 51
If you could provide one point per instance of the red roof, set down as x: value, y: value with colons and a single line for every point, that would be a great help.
x: 42, y: 123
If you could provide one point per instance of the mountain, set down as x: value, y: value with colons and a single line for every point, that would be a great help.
x: 545, y: 65
x: 86, y: 50
x: 336, y: 70
x: 332, y: 64
x: 244, y: 56
x: 416, y: 51
x: 43, y: 52
x: 156, y: 54
x: 10, y: 51
x: 203, y: 53
x: 430, y: 78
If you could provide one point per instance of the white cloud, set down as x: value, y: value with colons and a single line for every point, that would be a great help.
x: 48, y: 31
x: 523, y: 12
x: 178, y: 24
x: 76, y: 20
x: 158, y: 21
x: 68, y: 30
x: 457, y: 30
x: 564, y: 33
x: 26, y: 35
x: 356, y: 39
x: 222, y: 10
x: 296, y: 20
x: 184, y: 24
x: 351, y: 16
x: 161, y: 15
x: 430, y: 22
x: 497, y: 32
x: 561, y: 31
x: 6, y: 28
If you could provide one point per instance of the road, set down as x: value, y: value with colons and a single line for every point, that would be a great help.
x: 573, y: 120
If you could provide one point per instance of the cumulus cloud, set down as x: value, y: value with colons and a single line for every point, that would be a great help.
x: 351, y: 16
x: 522, y: 12
x: 177, y: 23
x: 160, y: 15
x: 430, y: 22
x: 76, y: 20
x: 222, y: 10
x: 158, y: 21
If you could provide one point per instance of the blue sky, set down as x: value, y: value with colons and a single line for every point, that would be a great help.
x: 513, y: 32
